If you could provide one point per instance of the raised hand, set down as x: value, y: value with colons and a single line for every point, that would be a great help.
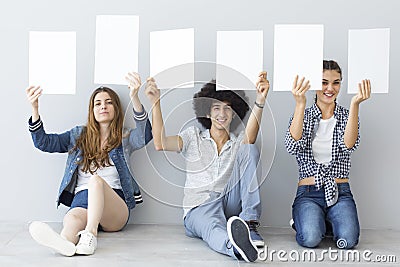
x: 33, y: 93
x: 364, y: 92
x: 134, y: 83
x: 300, y: 89
x: 262, y: 86
x: 152, y: 92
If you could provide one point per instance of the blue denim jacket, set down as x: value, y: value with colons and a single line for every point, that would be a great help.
x: 61, y: 143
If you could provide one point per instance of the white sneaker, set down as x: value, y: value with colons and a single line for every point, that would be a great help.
x: 87, y: 243
x: 44, y: 235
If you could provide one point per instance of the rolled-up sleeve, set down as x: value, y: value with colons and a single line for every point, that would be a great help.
x: 293, y: 146
x: 343, y: 146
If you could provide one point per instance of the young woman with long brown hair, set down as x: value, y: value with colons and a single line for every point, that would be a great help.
x: 97, y: 184
x: 322, y: 137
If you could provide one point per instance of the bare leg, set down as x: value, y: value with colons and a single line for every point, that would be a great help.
x: 105, y: 207
x: 74, y: 221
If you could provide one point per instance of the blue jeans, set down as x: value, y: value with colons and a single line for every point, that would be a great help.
x: 240, y: 197
x: 310, y: 215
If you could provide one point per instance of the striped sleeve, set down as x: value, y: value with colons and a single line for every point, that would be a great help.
x: 140, y: 116
x: 34, y: 126
x: 138, y: 198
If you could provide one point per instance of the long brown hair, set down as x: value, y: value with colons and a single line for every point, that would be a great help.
x: 93, y: 156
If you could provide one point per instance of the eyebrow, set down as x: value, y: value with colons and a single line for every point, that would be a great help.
x: 220, y: 104
x: 97, y: 100
x: 325, y: 80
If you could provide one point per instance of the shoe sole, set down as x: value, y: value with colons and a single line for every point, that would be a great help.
x: 44, y: 235
x: 291, y: 223
x: 239, y: 235
x: 258, y: 243
x: 84, y: 252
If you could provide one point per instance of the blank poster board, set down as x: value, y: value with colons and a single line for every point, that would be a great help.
x: 52, y: 61
x: 117, y: 48
x: 298, y: 50
x: 172, y: 58
x: 369, y: 59
x: 239, y: 59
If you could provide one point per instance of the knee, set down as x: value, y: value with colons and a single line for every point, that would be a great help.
x: 249, y: 152
x: 95, y: 181
x: 73, y: 219
x: 309, y: 239
x: 347, y: 240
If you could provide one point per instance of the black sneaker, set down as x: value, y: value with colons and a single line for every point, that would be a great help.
x: 256, y: 238
x: 239, y: 236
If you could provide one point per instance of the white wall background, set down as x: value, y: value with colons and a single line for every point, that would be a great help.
x: 30, y: 178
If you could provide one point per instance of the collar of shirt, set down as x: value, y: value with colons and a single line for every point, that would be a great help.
x: 205, y: 135
x: 316, y: 112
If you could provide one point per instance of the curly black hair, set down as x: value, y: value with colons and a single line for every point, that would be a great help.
x: 203, y: 100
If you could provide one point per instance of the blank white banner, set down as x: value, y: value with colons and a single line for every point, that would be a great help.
x: 52, y: 61
x: 369, y: 59
x: 239, y: 59
x: 117, y: 43
x: 298, y: 50
x: 172, y: 58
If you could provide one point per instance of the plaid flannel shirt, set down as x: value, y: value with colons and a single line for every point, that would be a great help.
x: 339, y: 167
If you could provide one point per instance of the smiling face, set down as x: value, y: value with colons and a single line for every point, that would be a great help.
x: 221, y: 115
x: 103, y: 108
x: 331, y: 82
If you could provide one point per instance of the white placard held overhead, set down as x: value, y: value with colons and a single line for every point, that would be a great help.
x: 172, y: 58
x: 298, y: 50
x: 52, y: 61
x: 369, y: 59
x: 239, y: 59
x: 117, y: 42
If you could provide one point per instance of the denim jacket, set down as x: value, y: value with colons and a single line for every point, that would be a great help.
x: 61, y: 143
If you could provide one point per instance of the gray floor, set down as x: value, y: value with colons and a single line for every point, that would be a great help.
x: 167, y: 245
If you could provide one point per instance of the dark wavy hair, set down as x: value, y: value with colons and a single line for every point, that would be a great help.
x: 203, y: 100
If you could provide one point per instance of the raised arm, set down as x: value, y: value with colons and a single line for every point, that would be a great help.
x: 299, y: 93
x: 33, y: 93
x: 143, y: 126
x: 161, y: 141
x: 134, y: 84
x: 351, y: 131
x: 253, y: 124
x: 45, y: 142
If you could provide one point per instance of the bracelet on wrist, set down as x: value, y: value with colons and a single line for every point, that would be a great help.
x: 258, y: 105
